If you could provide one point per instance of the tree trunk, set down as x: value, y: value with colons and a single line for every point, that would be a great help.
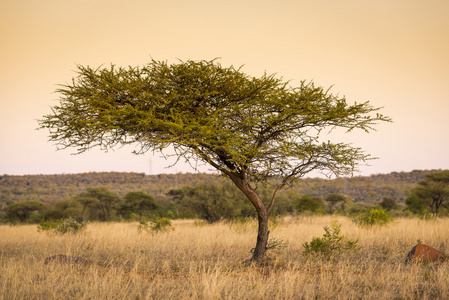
x: 262, y: 238
x: 437, y: 206
x: 262, y: 216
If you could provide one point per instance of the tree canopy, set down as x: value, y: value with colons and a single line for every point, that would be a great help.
x: 139, y: 203
x: 101, y: 200
x: 333, y: 200
x: 23, y: 210
x: 309, y: 203
x: 249, y: 128
x: 432, y: 192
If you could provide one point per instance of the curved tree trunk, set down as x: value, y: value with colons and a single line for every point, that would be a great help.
x: 262, y: 238
x: 262, y: 216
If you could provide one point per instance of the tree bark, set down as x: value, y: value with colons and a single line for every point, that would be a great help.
x: 262, y: 238
x: 262, y: 216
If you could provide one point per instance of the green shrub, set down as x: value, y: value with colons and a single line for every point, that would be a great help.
x: 274, y: 249
x: 276, y: 245
x: 213, y: 202
x: 427, y: 216
x: 159, y: 225
x: 169, y: 214
x: 69, y: 226
x: 330, y: 244
x: 48, y: 225
x: 372, y: 217
x: 308, y: 203
x: 199, y: 223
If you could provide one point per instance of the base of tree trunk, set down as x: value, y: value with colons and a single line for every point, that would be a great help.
x: 262, y: 241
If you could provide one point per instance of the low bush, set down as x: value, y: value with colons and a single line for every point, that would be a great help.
x: 159, y: 225
x: 199, y: 223
x: 330, y: 244
x: 48, y: 225
x: 372, y: 217
x: 277, y: 245
x: 69, y: 226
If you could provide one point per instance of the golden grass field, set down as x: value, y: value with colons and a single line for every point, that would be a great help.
x: 206, y: 262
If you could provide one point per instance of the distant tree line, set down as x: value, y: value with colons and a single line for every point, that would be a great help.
x: 219, y: 200
x: 51, y: 189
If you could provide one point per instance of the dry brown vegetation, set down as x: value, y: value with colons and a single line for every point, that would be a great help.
x: 206, y: 262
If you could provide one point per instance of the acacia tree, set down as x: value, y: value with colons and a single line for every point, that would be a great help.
x: 432, y: 191
x: 101, y: 200
x: 23, y: 210
x: 248, y: 128
x: 333, y: 200
x: 139, y: 203
x: 310, y: 203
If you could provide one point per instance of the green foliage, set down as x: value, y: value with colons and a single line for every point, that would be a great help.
x: 66, y: 208
x: 432, y: 193
x: 284, y: 204
x: 139, y: 203
x: 169, y: 214
x: 359, y: 207
x: 48, y: 225
x: 24, y: 211
x: 214, y: 202
x: 67, y: 226
x: 220, y: 115
x: 253, y: 128
x: 158, y: 225
x: 418, y: 205
x: 372, y: 217
x: 198, y: 223
x: 70, y: 226
x: 100, y: 202
x: 277, y: 245
x: 334, y: 200
x: 388, y: 203
x: 427, y: 216
x: 330, y: 244
x: 309, y: 203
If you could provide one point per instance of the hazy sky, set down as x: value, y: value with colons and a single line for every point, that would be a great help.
x: 393, y: 53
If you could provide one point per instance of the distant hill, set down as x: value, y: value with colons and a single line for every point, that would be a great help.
x: 52, y: 188
x: 369, y: 189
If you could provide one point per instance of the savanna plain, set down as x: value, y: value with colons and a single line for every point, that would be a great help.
x: 201, y: 261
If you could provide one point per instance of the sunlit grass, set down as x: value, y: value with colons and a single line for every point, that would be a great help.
x: 206, y: 262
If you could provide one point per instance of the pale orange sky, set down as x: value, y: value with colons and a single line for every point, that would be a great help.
x: 393, y: 53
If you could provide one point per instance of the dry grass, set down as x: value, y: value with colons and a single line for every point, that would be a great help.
x: 206, y: 263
